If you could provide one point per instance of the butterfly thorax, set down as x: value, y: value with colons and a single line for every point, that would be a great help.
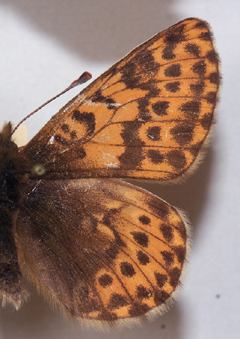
x: 11, y: 169
x: 11, y: 165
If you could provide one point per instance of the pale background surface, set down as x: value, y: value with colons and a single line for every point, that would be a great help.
x: 47, y: 44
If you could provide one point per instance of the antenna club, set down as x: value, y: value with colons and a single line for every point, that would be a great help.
x: 84, y: 77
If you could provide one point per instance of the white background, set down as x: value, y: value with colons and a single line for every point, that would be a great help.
x: 44, y: 45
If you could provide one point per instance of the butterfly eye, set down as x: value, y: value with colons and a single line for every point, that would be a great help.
x: 38, y: 170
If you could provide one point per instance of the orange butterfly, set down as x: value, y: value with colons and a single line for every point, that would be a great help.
x: 105, y: 251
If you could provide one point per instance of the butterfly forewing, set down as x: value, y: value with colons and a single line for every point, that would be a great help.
x: 147, y: 117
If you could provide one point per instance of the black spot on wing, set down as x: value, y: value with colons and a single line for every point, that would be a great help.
x: 105, y: 280
x: 98, y: 97
x: 160, y: 107
x: 127, y: 269
x: 117, y: 301
x: 193, y: 49
x: 183, y: 133
x: 176, y: 159
x: 143, y: 258
x: 173, y: 71
x: 141, y: 238
x: 199, y: 68
x: 86, y: 118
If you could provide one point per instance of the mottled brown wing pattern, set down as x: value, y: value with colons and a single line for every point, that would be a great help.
x: 147, y: 117
x: 109, y: 251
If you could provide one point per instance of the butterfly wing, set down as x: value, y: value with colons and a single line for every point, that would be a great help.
x: 101, y: 249
x: 147, y: 117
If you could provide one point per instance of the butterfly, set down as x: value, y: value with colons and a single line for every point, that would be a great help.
x: 103, y: 250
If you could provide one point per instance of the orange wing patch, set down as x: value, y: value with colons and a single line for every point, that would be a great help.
x: 147, y: 117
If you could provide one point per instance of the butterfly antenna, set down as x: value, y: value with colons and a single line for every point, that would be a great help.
x: 81, y: 80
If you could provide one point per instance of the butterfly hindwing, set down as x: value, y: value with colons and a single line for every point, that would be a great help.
x: 147, y: 117
x: 102, y: 249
